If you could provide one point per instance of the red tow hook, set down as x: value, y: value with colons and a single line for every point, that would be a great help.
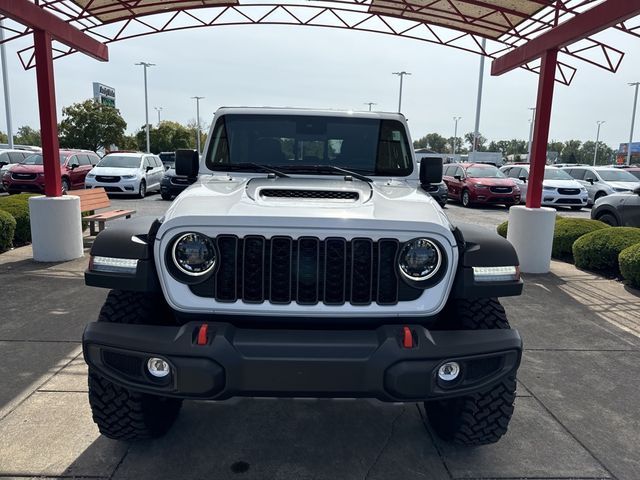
x: 202, y: 334
x: 407, y: 337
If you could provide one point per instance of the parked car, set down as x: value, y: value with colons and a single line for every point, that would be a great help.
x: 438, y: 191
x: 127, y: 173
x: 168, y: 159
x: 471, y: 183
x: 602, y: 181
x: 559, y: 189
x: 173, y: 184
x: 618, y: 209
x: 8, y: 159
x: 28, y: 176
x: 632, y: 169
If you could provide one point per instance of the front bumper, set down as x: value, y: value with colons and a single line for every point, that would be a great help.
x: 487, y: 196
x: 24, y: 186
x: 301, y: 363
x: 125, y: 186
x: 554, y: 199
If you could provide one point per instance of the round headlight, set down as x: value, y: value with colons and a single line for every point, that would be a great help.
x: 194, y: 254
x: 419, y: 259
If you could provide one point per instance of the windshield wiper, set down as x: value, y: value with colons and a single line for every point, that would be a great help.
x: 235, y: 167
x: 323, y: 168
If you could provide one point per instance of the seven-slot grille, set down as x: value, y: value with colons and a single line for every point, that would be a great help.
x: 24, y: 176
x: 500, y: 189
x: 324, y: 194
x: 307, y: 271
x: 107, y: 178
x: 568, y: 191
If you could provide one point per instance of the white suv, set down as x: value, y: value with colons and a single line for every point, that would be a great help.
x: 127, y: 173
x: 602, y: 181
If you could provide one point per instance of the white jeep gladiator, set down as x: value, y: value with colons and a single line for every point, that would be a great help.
x: 306, y: 260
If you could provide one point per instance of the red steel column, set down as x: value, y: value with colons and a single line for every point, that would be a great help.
x: 546, y: 82
x: 47, y: 106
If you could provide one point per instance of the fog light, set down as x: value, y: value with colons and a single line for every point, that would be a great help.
x: 449, y: 371
x: 158, y: 367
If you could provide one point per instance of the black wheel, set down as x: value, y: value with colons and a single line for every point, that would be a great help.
x: 466, y: 199
x: 598, y: 196
x: 609, y: 219
x: 142, y: 190
x: 120, y: 413
x: 576, y: 208
x: 65, y: 185
x: 166, y: 196
x: 481, y: 418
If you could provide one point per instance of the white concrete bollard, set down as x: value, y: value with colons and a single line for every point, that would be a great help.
x: 531, y: 233
x: 56, y: 228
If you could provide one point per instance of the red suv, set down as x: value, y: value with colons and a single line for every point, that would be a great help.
x: 28, y: 176
x: 472, y: 183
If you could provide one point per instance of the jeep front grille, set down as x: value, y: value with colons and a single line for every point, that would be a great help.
x: 307, y: 271
x: 323, y: 194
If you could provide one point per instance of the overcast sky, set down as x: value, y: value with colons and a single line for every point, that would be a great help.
x: 324, y: 67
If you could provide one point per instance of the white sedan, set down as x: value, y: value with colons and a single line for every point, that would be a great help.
x: 559, y: 189
x: 127, y: 173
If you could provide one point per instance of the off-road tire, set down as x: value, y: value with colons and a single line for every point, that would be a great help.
x: 120, y: 413
x: 483, y: 417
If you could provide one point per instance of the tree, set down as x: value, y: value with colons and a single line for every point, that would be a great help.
x: 571, y: 152
x: 4, y: 138
x: 459, y: 148
x: 92, y: 126
x: 167, y: 137
x: 129, y: 142
x: 480, y: 141
x: 588, y: 150
x: 27, y: 136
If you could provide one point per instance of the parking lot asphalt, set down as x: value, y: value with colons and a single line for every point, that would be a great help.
x: 577, y: 411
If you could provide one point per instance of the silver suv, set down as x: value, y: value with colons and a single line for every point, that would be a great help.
x: 602, y: 181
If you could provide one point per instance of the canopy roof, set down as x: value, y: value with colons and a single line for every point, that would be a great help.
x: 461, y: 24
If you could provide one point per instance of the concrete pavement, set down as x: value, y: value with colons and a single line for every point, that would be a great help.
x: 577, y: 412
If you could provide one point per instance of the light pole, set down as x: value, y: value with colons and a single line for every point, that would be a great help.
x: 533, y: 119
x: 146, y: 101
x: 158, y: 109
x: 5, y: 82
x: 401, y: 75
x: 633, y: 118
x: 595, y: 154
x: 198, y: 122
x: 370, y: 104
x: 476, y: 131
x: 455, y: 133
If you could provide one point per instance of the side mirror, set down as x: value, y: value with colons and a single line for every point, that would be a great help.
x: 590, y: 180
x: 524, y: 179
x: 3, y: 163
x: 187, y: 163
x: 73, y: 166
x: 149, y: 168
x: 458, y: 177
x: 430, y: 170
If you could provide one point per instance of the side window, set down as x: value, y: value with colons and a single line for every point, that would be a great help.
x: 577, y: 173
x: 590, y: 176
x: 73, y: 159
x: 158, y: 162
x: 84, y: 160
x: 458, y: 171
x: 147, y: 162
x: 14, y: 157
x: 515, y: 172
x: 446, y: 170
x: 94, y: 159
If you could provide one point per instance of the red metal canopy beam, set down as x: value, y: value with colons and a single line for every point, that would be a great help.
x: 600, y: 17
x: 37, y: 18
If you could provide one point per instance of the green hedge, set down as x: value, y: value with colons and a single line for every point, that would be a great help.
x: 7, y: 229
x: 18, y: 207
x: 599, y: 250
x: 566, y: 231
x: 629, y: 261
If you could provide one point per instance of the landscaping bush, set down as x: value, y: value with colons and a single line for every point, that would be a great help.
x: 567, y: 231
x: 599, y: 250
x: 502, y: 229
x: 18, y: 207
x: 7, y: 230
x: 629, y: 261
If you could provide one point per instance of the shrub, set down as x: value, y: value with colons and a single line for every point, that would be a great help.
x: 18, y: 207
x: 629, y: 261
x: 568, y: 230
x: 599, y: 250
x: 7, y: 230
x: 502, y: 229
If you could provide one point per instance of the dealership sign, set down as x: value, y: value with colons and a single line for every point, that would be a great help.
x: 104, y: 94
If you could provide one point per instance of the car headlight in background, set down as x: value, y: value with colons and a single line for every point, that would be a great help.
x: 549, y: 189
x: 621, y: 189
x: 128, y: 177
x: 194, y: 254
x: 419, y: 259
x: 481, y: 186
x: 91, y: 175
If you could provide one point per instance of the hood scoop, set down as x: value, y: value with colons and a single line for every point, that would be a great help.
x: 345, y: 195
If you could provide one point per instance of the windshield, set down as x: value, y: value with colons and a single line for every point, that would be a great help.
x: 488, y: 171
x: 635, y: 173
x: 556, y: 174
x: 168, y: 158
x: 290, y: 142
x: 120, y: 162
x: 36, y: 159
x: 617, y: 176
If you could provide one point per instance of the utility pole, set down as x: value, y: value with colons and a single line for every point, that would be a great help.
x: 158, y: 109
x: 146, y: 101
x: 595, y: 155
x: 476, y: 131
x: 5, y: 82
x: 455, y: 133
x: 533, y: 119
x: 633, y: 118
x: 401, y: 75
x: 370, y: 104
x: 197, y: 99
